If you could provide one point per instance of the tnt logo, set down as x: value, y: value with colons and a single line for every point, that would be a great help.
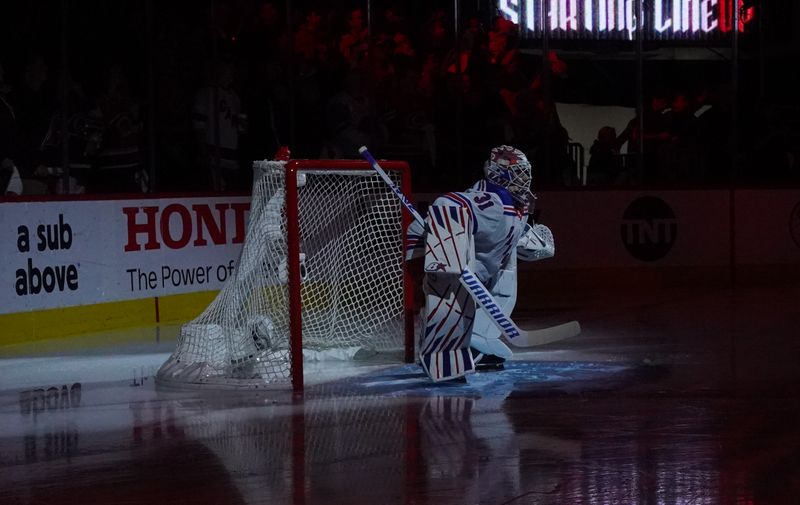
x: 649, y: 228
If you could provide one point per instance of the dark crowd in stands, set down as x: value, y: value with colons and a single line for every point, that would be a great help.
x: 232, y: 83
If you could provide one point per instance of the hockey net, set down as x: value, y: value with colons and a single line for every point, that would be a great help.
x: 321, y: 273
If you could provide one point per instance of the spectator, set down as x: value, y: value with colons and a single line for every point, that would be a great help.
x: 713, y: 135
x: 382, y: 65
x: 43, y: 173
x: 349, y: 119
x: 475, y: 35
x: 34, y: 107
x: 309, y: 44
x: 395, y: 33
x: 535, y: 126
x: 502, y: 42
x: 605, y: 164
x: 9, y: 177
x: 273, y: 32
x: 406, y: 113
x: 678, y: 160
x: 394, y: 18
x: 261, y: 139
x: 10, y: 181
x: 656, y: 131
x: 482, y: 103
x: 403, y: 48
x: 118, y: 163
x: 437, y: 42
x: 354, y: 43
x: 311, y: 87
x: 218, y: 121
x: 83, y: 134
x: 428, y: 77
x: 227, y: 25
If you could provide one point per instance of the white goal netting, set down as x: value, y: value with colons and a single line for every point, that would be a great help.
x: 351, y: 281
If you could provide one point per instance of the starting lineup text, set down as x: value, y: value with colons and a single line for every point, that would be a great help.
x: 662, y: 19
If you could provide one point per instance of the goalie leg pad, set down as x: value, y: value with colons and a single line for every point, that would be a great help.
x: 448, y: 365
x: 449, y: 315
x: 448, y: 244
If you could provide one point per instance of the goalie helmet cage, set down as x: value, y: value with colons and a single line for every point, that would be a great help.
x: 322, y: 268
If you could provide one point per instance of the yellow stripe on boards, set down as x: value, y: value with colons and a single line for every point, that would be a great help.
x: 182, y: 308
x: 25, y: 327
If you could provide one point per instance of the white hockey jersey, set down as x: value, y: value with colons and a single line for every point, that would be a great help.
x: 497, y: 228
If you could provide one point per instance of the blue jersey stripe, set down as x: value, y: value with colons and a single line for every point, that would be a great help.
x: 503, y: 193
x: 464, y: 202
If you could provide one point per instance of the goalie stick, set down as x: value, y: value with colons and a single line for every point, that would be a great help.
x: 533, y: 338
x: 405, y: 201
x: 516, y: 336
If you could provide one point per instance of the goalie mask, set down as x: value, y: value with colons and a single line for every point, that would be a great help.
x: 509, y: 168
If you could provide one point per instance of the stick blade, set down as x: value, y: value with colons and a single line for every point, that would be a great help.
x: 533, y: 338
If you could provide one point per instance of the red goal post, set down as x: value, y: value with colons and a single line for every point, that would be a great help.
x: 321, y: 273
x: 293, y: 168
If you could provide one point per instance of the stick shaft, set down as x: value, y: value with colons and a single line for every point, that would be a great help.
x: 403, y: 199
x: 486, y: 301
